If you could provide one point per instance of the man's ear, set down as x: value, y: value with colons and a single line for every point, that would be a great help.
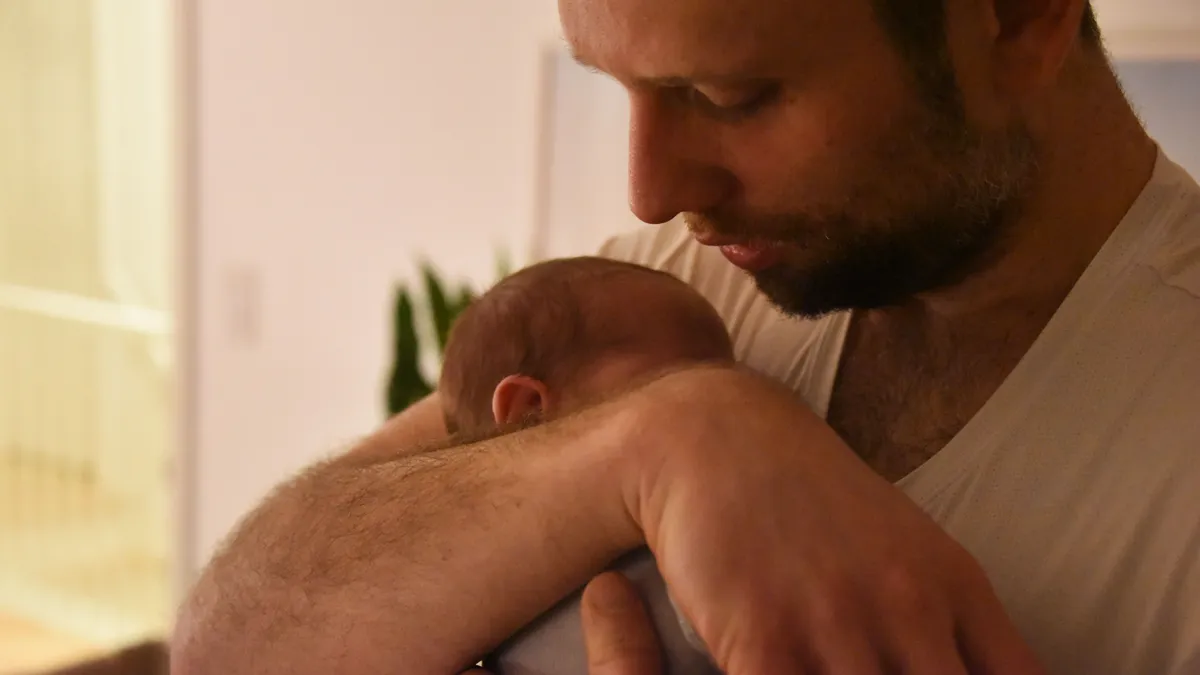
x: 1034, y: 38
x: 520, y: 397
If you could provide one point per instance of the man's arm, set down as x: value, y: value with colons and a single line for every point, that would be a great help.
x: 782, y: 548
x: 381, y: 560
x: 408, y: 432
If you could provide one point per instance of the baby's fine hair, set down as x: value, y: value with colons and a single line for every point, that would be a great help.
x: 545, y: 321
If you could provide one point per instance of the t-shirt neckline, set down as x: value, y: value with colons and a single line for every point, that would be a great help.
x: 966, y: 450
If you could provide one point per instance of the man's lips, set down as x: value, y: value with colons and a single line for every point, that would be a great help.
x: 752, y: 256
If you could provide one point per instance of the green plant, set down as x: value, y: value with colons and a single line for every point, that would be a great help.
x: 441, y: 305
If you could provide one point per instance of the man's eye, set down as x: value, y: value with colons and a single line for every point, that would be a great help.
x: 730, y: 106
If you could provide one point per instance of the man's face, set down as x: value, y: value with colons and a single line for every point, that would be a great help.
x: 793, y: 134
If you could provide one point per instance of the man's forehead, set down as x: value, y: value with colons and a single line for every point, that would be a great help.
x: 648, y: 39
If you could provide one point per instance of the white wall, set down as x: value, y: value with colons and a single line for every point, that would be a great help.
x: 588, y: 150
x: 1167, y: 97
x: 1154, y: 29
x: 334, y: 143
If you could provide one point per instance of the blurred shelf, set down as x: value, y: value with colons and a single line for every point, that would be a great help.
x: 29, y: 647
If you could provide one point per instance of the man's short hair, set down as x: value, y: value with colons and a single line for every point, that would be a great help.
x: 917, y: 28
x: 922, y: 22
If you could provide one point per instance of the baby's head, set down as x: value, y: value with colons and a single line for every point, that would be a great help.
x: 564, y: 333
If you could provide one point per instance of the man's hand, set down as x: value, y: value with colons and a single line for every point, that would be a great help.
x: 617, y: 630
x: 788, y: 554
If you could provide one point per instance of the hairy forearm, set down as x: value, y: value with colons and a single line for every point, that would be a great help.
x: 416, y: 563
x: 412, y: 431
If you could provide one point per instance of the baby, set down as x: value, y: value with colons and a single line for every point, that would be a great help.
x: 554, y: 338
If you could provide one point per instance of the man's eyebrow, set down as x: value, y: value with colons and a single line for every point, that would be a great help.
x: 671, y: 80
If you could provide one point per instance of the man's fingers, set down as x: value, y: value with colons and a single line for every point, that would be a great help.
x: 927, y: 653
x: 618, y: 633
x: 992, y: 645
x: 919, y: 639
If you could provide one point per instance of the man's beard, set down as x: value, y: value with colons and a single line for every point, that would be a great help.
x: 970, y: 188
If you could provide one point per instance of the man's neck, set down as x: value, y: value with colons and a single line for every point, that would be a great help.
x: 912, y: 376
x: 1094, y: 161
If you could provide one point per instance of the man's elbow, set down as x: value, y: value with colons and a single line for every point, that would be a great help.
x: 203, y: 642
x: 183, y: 659
x: 187, y: 657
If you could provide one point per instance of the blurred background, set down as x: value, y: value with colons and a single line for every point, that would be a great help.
x: 205, y: 209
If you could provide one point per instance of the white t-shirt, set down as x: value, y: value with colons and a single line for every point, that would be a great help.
x: 1077, y: 486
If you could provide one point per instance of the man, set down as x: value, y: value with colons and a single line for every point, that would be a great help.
x: 973, y: 267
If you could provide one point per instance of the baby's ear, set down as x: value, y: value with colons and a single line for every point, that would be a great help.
x: 519, y: 398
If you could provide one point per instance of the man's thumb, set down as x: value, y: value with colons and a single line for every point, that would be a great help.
x: 617, y: 630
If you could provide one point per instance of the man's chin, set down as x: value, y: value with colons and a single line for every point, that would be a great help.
x: 812, y: 296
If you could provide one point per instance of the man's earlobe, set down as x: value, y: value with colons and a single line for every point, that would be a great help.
x: 519, y: 398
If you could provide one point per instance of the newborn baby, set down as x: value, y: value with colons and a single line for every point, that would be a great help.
x: 554, y: 338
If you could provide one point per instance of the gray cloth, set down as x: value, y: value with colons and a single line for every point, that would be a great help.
x: 553, y: 644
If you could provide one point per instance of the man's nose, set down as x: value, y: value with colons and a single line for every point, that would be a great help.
x: 668, y: 173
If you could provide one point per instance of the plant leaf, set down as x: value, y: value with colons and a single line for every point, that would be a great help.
x: 439, y: 306
x: 465, y: 297
x: 455, y: 306
x: 503, y: 264
x: 406, y: 385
